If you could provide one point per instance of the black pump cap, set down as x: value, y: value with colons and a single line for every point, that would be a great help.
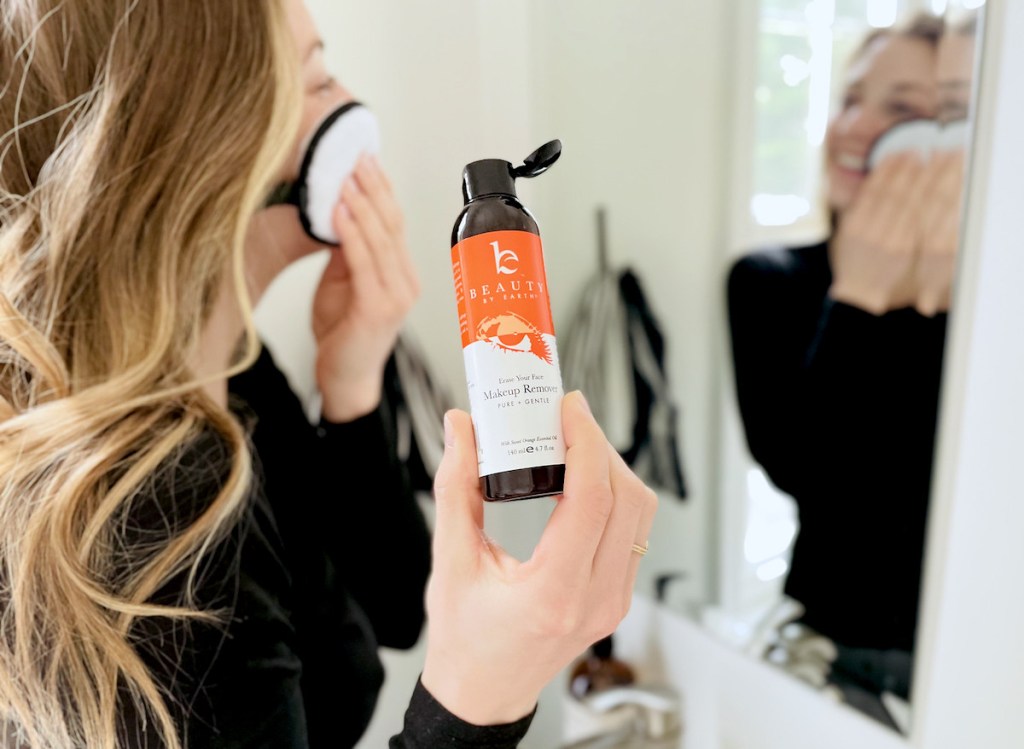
x: 498, y: 177
x: 488, y: 177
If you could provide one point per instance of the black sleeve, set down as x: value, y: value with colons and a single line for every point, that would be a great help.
x: 342, y: 488
x: 252, y: 695
x: 385, y: 520
x: 845, y: 368
x: 770, y: 336
x: 234, y: 684
x: 428, y: 725
x: 829, y: 394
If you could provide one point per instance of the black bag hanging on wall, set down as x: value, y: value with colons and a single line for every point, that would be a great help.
x: 612, y: 327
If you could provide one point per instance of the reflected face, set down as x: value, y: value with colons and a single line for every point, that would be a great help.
x: 955, y: 74
x: 892, y: 81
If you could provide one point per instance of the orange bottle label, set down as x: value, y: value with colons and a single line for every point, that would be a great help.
x: 508, y: 344
x: 502, y: 290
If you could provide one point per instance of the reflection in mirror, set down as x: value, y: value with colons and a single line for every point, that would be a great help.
x: 837, y: 349
x: 835, y: 132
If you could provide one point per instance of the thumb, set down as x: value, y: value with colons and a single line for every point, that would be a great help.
x: 337, y: 267
x: 458, y: 527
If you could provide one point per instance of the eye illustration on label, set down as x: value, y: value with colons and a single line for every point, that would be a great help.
x: 510, y: 332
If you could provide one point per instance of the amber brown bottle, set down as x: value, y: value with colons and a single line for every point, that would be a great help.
x: 512, y: 372
x: 599, y: 670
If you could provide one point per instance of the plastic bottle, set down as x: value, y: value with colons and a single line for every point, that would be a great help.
x: 508, y: 337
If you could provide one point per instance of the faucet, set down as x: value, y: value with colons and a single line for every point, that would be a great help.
x: 656, y: 722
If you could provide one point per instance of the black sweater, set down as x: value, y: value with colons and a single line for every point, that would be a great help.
x: 308, y: 597
x: 839, y: 407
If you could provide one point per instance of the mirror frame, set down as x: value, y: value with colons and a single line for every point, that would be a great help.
x: 970, y: 647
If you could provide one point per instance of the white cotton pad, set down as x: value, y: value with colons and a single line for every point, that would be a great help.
x: 337, y: 143
x: 908, y: 137
x: 954, y: 136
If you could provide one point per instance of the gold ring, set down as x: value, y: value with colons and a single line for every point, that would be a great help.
x: 641, y: 550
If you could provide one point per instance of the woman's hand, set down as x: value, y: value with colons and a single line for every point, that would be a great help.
x: 365, y: 293
x: 875, y: 248
x: 500, y: 629
x: 940, y: 233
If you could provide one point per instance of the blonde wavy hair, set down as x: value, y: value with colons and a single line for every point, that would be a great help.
x: 137, y: 140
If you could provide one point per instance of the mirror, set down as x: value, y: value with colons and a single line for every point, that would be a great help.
x: 776, y: 192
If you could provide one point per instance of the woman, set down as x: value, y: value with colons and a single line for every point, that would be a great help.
x: 837, y: 350
x: 184, y: 560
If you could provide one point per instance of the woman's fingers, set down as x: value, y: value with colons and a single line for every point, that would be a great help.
x: 381, y: 219
x: 897, y: 216
x: 337, y: 267
x: 613, y: 563
x: 875, y: 246
x: 378, y: 186
x: 941, y: 209
x: 358, y: 257
x: 625, y: 480
x: 874, y: 192
x: 379, y: 244
x: 458, y: 532
x: 567, y: 549
x: 569, y: 594
x: 940, y: 228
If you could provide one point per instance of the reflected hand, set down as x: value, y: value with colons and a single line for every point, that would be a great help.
x: 940, y: 233
x: 874, y: 251
x: 365, y: 293
x: 501, y: 629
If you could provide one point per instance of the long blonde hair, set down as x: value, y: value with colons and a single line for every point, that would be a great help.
x: 137, y: 139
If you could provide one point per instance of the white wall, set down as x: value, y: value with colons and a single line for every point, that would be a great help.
x: 638, y: 93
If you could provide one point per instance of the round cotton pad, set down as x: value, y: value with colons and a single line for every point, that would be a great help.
x: 330, y: 158
x: 907, y: 137
x: 953, y: 137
